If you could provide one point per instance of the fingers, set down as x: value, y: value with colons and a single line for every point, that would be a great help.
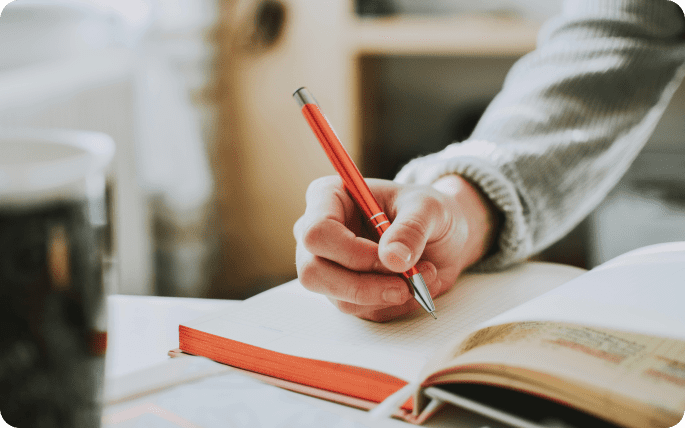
x: 327, y: 228
x: 322, y: 276
x: 358, y: 275
x: 326, y: 198
x: 331, y: 240
x: 418, y: 217
x: 382, y: 313
x: 376, y: 313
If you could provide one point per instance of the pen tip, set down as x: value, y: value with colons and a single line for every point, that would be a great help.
x: 433, y: 315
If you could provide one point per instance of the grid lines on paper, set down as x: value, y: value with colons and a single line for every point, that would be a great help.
x: 299, y: 313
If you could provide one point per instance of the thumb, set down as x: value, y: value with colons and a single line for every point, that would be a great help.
x: 403, y: 242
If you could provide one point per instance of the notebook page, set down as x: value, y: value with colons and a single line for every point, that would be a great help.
x: 642, y: 291
x: 294, y: 321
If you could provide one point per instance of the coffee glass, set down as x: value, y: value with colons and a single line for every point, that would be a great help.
x: 53, y: 233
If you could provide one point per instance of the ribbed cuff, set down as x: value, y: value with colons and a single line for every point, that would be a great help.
x: 474, y: 160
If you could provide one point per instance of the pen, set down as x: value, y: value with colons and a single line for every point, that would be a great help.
x: 356, y: 186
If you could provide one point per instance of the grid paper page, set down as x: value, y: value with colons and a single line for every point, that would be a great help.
x: 294, y: 321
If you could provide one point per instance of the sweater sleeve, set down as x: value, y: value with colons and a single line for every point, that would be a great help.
x: 570, y: 119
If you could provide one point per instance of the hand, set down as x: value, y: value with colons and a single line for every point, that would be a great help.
x: 442, y: 229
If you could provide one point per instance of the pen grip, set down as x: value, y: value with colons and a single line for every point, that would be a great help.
x: 380, y: 223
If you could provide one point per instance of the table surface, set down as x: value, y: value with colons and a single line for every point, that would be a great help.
x: 145, y: 388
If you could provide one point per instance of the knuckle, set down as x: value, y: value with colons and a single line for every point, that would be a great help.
x: 353, y: 261
x: 321, y: 184
x: 432, y: 204
x: 311, y: 237
x: 363, y: 291
x: 307, y: 273
x: 413, y: 228
x: 357, y: 295
x: 297, y: 228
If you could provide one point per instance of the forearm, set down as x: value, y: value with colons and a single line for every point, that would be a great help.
x: 570, y: 119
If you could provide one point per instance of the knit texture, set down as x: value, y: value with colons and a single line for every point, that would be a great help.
x: 570, y: 119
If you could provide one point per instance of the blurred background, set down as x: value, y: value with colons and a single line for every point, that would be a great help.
x: 213, y: 157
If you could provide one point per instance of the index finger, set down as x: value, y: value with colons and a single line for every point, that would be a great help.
x: 330, y: 225
x: 327, y: 198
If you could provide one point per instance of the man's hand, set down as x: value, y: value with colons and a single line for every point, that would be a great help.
x: 442, y: 229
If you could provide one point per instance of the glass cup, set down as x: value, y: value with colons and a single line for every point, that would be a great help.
x: 53, y: 225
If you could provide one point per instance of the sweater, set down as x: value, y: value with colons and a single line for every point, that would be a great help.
x: 570, y: 119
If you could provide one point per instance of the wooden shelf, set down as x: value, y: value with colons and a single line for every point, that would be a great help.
x: 474, y: 35
x: 266, y: 154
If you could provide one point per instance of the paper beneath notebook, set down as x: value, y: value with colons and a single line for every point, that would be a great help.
x: 642, y: 291
x: 294, y: 321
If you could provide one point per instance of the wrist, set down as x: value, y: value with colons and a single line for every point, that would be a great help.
x: 482, y: 218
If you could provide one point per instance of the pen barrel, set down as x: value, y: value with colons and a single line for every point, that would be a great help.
x: 342, y: 162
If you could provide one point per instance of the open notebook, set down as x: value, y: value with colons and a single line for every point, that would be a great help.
x: 299, y: 340
x: 293, y: 321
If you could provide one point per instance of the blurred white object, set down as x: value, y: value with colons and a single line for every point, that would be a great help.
x: 127, y: 68
x: 176, y: 66
x: 55, y: 32
x: 51, y: 165
x: 172, y: 138
x: 182, y: 15
x: 88, y: 86
x: 34, y: 31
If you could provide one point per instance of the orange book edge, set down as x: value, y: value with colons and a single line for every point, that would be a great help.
x: 324, y: 379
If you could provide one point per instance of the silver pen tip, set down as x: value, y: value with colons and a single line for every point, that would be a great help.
x: 421, y: 293
x: 432, y: 314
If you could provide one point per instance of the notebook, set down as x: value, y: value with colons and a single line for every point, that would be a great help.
x: 539, y: 329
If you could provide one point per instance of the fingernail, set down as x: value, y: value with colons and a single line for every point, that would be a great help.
x: 400, y: 251
x: 392, y: 295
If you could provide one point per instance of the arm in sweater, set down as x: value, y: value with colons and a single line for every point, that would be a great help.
x: 570, y: 119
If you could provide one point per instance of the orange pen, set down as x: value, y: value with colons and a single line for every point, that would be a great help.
x: 357, y: 187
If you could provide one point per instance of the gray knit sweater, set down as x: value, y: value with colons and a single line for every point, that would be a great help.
x: 569, y: 121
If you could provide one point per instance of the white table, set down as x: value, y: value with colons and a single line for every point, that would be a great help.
x: 144, y: 388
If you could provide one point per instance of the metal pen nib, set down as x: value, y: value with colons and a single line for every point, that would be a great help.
x: 421, y: 293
